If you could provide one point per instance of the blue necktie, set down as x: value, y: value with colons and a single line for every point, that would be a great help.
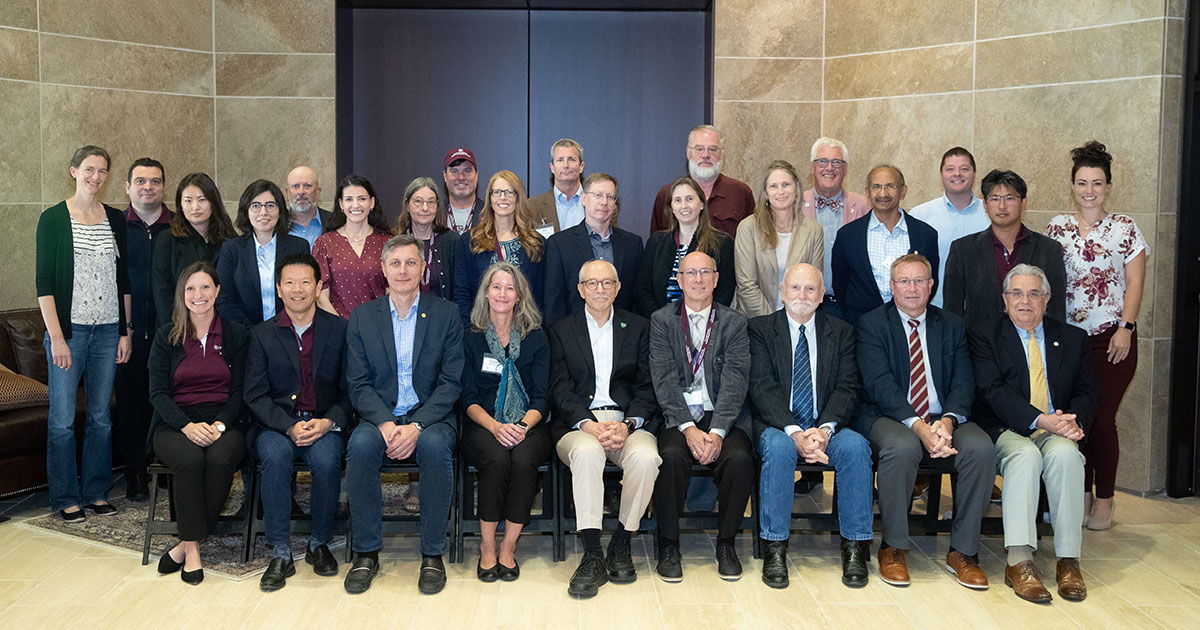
x: 802, y: 392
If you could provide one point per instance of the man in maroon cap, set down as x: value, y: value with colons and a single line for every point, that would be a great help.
x: 462, y: 182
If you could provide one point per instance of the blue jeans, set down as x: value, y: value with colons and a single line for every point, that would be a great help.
x: 849, y: 455
x: 366, y: 453
x: 93, y: 358
x: 277, y: 453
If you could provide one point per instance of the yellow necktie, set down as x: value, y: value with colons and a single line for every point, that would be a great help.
x: 1037, y: 377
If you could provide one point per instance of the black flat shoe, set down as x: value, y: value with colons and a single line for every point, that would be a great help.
x: 490, y: 574
x: 276, y: 575
x: 433, y: 575
x: 72, y: 517
x: 322, y: 560
x: 167, y: 565
x: 192, y: 577
x: 508, y: 574
x: 101, y: 509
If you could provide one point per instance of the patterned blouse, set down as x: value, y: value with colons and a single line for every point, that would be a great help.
x: 94, y: 295
x: 351, y: 279
x: 1096, y: 267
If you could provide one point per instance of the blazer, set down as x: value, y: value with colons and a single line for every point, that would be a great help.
x: 165, y: 358
x: 854, y: 206
x: 568, y: 250
x: 726, y: 368
x: 479, y: 387
x: 437, y: 361
x: 273, y: 372
x: 757, y: 268
x: 171, y: 255
x: 445, y: 250
x: 837, y: 389
x: 853, y: 280
x: 469, y: 268
x: 973, y: 288
x: 1002, y: 375
x: 658, y: 260
x: 543, y: 211
x: 573, y: 381
x: 240, y: 299
x: 883, y: 362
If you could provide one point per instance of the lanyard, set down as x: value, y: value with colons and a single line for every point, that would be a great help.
x: 428, y: 260
x: 454, y: 224
x: 696, y: 360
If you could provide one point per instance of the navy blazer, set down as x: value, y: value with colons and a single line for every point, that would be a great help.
x: 853, y: 281
x: 241, y: 298
x: 568, y: 250
x: 883, y: 362
x: 165, y: 358
x: 437, y: 361
x: 1002, y: 375
x: 469, y: 268
x: 273, y: 372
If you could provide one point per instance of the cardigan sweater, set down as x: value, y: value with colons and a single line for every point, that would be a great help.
x: 55, y: 275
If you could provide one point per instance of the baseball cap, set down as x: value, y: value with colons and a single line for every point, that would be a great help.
x: 459, y: 154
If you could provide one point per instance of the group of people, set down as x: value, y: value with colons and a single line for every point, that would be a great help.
x: 950, y: 337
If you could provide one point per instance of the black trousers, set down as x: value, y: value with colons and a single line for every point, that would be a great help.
x: 733, y: 473
x: 132, y: 420
x: 507, y: 477
x: 203, y: 475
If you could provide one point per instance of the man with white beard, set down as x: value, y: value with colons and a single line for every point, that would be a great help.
x: 303, y: 194
x: 729, y: 200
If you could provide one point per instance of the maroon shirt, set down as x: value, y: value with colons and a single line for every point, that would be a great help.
x: 203, y: 376
x: 306, y: 398
x: 1006, y: 260
x: 730, y: 202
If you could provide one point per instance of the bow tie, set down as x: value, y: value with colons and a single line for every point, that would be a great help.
x: 823, y: 203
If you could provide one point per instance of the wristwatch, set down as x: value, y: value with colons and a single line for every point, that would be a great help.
x: 420, y: 427
x: 1130, y: 326
x: 631, y: 425
x: 521, y: 423
x: 828, y: 432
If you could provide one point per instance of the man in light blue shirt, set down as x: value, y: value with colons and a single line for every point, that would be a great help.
x: 303, y: 193
x: 561, y: 207
x: 956, y: 213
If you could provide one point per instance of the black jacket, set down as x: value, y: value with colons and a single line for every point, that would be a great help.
x: 659, y: 259
x: 568, y: 250
x: 165, y: 358
x: 973, y: 288
x: 171, y: 255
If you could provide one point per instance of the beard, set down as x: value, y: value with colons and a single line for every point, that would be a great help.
x: 303, y: 207
x: 701, y: 172
x: 800, y: 309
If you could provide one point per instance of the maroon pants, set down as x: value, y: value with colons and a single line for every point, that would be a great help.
x: 1100, y: 449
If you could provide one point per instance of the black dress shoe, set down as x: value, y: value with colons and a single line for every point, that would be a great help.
x: 101, y: 509
x: 72, y: 517
x: 775, y: 569
x: 855, y: 554
x: 137, y: 488
x: 490, y: 574
x: 277, y: 574
x: 670, y: 566
x: 433, y: 575
x: 621, y: 569
x: 192, y: 577
x: 358, y: 578
x: 729, y: 568
x: 322, y: 560
x: 167, y: 565
x: 589, y: 576
x: 508, y: 574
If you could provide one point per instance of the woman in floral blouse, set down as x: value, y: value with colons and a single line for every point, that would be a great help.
x: 1105, y: 257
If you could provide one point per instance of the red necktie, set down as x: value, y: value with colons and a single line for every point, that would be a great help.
x: 918, y: 390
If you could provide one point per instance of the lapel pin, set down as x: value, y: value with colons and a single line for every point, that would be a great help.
x: 422, y: 315
x: 622, y: 324
x: 1055, y: 344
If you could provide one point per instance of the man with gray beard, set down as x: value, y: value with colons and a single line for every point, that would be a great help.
x: 729, y: 200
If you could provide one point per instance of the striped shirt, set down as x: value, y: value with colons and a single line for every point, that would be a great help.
x: 94, y: 294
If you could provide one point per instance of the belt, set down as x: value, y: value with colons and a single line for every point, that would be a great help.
x: 607, y: 408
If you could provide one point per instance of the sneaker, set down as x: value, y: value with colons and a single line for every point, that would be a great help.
x: 621, y: 569
x: 670, y: 565
x: 589, y: 576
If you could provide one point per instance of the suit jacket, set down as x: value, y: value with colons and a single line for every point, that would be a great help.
x: 469, y: 268
x: 837, y: 388
x: 165, y: 358
x: 543, y: 211
x: 883, y: 361
x: 726, y: 368
x: 437, y: 361
x: 240, y: 298
x: 568, y: 250
x: 573, y: 381
x: 1002, y: 375
x: 973, y: 288
x: 854, y: 206
x: 758, y: 269
x: 273, y: 372
x: 171, y: 255
x: 658, y: 260
x: 445, y: 250
x: 853, y: 279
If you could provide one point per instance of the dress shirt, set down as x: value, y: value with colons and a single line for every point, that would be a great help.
x: 935, y: 403
x: 831, y: 220
x: 306, y: 398
x: 602, y: 247
x: 310, y: 232
x: 1006, y: 260
x: 603, y: 348
x: 569, y: 207
x: 1039, y: 333
x: 883, y: 247
x: 696, y: 333
x: 266, y: 275
x: 404, y: 332
x: 951, y: 224
x: 810, y: 336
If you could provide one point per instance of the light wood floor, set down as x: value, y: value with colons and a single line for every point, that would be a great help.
x: 1144, y: 573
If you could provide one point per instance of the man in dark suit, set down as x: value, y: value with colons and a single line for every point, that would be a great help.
x: 561, y: 207
x: 604, y: 408
x: 865, y: 248
x: 303, y: 192
x: 595, y: 238
x: 296, y: 390
x: 805, y: 395
x: 977, y: 263
x: 404, y: 362
x: 916, y: 373
x: 1036, y: 397
x: 701, y: 370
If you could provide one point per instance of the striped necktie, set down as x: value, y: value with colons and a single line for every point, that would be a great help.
x: 918, y: 385
x: 802, y: 387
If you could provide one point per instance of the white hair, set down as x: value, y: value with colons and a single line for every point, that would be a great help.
x: 828, y: 142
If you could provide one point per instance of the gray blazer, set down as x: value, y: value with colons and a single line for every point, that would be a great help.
x: 972, y: 288
x: 726, y: 368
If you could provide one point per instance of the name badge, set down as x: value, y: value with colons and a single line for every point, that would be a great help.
x: 546, y: 230
x: 693, y: 396
x: 491, y: 365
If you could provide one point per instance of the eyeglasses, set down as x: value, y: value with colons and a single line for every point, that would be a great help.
x: 916, y: 282
x: 889, y: 187
x: 700, y: 148
x: 599, y: 196
x: 1018, y: 294
x: 504, y: 194
x: 1007, y: 199
x: 428, y: 203
x: 826, y: 162
x: 593, y: 284
x: 257, y: 207
x: 692, y: 274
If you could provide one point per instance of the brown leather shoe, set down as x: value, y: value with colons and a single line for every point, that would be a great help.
x: 1070, y: 580
x: 966, y: 569
x: 1024, y: 580
x: 893, y: 568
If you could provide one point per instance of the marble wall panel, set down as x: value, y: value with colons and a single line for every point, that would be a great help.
x: 1032, y: 130
x: 1124, y: 50
x: 753, y: 28
x: 920, y: 71
x: 20, y: 13
x: 19, y: 54
x: 855, y: 26
x: 999, y: 18
x: 175, y: 23
x: 757, y: 133
x: 275, y: 75
x: 767, y: 80
x: 1176, y: 8
x: 275, y: 26
x: 18, y: 242
x: 20, y: 170
x: 125, y: 66
x: 266, y: 138
x: 1168, y: 183
x: 1175, y: 48
x: 1133, y: 423
x: 1159, y: 414
x: 910, y: 132
x: 179, y: 134
x: 1162, y: 260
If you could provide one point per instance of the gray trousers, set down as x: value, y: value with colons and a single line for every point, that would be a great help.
x: 1023, y: 462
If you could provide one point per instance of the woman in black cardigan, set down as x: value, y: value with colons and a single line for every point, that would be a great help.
x: 197, y: 367
x: 198, y: 228
x: 424, y: 216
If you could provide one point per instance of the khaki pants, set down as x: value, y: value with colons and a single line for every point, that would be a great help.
x: 638, y: 460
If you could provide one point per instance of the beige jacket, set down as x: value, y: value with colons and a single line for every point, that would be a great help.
x: 756, y: 267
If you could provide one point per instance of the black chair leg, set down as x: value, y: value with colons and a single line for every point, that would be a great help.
x: 150, y: 518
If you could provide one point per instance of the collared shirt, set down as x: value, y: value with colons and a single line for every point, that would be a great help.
x: 1039, y: 333
x: 601, y: 337
x: 830, y: 219
x: 935, y: 403
x: 569, y: 207
x: 266, y: 275
x: 202, y: 376
x: 404, y: 332
x: 951, y: 224
x: 810, y: 337
x: 696, y: 334
x: 306, y: 398
x: 883, y: 247
x: 310, y: 232
x: 602, y: 247
x: 1006, y: 260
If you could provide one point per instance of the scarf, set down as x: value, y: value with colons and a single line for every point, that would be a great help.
x: 511, y: 400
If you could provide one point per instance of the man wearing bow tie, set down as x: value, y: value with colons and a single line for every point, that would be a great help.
x: 830, y: 204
